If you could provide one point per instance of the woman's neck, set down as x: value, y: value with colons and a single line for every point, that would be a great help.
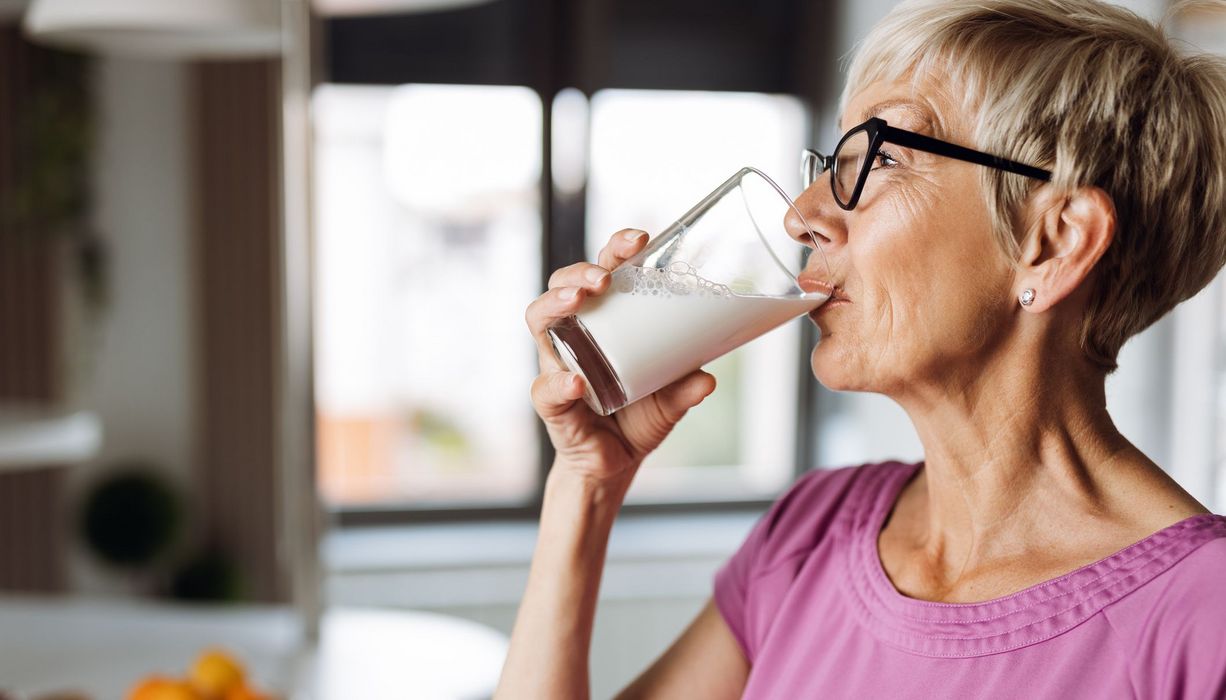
x: 1016, y: 458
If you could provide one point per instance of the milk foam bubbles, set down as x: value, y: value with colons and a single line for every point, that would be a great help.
x: 656, y: 325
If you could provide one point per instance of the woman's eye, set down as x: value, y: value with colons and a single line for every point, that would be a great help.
x: 884, y: 160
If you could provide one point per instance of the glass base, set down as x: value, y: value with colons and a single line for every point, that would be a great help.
x: 581, y: 355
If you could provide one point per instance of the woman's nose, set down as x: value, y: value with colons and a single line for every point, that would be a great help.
x: 819, y: 214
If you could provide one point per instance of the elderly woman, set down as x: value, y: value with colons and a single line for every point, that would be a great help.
x: 1034, y: 552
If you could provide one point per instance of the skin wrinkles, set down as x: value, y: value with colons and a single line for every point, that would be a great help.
x: 911, y: 193
x: 1025, y: 476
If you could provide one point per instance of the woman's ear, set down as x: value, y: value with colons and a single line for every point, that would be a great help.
x: 1069, y: 237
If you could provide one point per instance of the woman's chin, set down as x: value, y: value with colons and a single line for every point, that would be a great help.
x: 834, y: 372
x: 838, y: 383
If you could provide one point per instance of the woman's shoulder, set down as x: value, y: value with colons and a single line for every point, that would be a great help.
x: 1174, y: 625
x: 1181, y: 569
x: 825, y: 501
x: 807, y: 518
x: 1192, y: 587
x: 823, y: 490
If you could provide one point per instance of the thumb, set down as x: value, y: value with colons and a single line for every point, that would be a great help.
x: 685, y: 393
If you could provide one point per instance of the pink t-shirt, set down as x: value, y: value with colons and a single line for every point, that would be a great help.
x: 812, y: 608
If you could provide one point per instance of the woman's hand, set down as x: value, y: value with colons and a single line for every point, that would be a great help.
x: 606, y: 449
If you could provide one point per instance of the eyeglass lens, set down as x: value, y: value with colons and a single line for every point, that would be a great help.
x: 848, y: 164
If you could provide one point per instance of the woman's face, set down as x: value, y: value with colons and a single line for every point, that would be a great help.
x: 928, y: 292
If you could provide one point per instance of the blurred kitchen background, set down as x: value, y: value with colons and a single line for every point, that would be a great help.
x: 263, y: 366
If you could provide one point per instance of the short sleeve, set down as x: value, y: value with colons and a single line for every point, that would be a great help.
x: 793, y: 526
x: 1189, y: 637
x: 1174, y: 628
x: 1197, y: 667
x: 732, y: 581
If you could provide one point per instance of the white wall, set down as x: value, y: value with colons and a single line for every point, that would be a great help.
x: 133, y: 366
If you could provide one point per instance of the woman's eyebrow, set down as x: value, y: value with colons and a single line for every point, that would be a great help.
x: 911, y: 106
x: 918, y: 111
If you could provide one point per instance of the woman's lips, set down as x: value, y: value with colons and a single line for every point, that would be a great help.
x: 837, y: 298
x: 812, y: 285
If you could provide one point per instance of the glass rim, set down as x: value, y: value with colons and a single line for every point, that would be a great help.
x: 826, y: 280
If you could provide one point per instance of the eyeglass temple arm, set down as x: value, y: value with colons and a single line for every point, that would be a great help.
x: 928, y: 144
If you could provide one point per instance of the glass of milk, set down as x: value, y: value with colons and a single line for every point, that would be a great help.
x: 725, y: 273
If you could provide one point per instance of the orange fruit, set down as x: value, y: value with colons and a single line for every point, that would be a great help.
x: 162, y: 688
x: 246, y: 692
x: 215, y: 673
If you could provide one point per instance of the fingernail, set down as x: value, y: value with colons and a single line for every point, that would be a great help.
x: 596, y: 275
x: 634, y: 236
x: 568, y: 293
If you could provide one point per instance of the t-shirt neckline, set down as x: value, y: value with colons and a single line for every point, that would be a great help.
x: 1029, y: 616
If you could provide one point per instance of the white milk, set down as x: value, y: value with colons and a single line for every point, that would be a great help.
x: 655, y: 326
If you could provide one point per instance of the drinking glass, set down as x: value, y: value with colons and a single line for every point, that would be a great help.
x: 725, y: 273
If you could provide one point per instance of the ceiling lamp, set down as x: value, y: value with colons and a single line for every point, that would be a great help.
x: 342, y: 8
x: 159, y: 28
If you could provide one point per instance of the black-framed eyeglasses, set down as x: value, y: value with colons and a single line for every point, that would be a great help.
x: 859, y: 150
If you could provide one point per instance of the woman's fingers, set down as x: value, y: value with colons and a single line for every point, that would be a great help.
x: 570, y: 285
x: 553, y: 393
x: 647, y: 422
x: 685, y: 393
x: 552, y: 305
x: 622, y: 246
x: 580, y: 274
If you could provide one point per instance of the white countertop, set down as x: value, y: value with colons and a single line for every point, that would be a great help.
x: 102, y: 648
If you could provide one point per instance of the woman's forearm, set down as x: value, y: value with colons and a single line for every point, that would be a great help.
x: 548, y: 656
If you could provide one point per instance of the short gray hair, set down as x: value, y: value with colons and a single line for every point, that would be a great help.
x: 1101, y: 97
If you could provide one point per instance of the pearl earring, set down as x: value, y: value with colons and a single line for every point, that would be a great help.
x: 1027, y: 297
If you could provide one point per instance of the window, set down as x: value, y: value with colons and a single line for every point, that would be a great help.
x: 428, y: 250
x: 428, y: 241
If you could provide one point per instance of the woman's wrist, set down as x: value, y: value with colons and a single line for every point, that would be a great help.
x: 601, y: 498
